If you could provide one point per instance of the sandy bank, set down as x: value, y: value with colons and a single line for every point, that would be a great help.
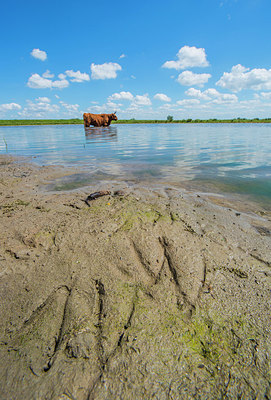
x: 142, y: 295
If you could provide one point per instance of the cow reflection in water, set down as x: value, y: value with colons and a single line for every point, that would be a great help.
x: 103, y: 133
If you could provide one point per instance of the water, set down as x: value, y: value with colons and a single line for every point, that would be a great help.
x: 221, y: 158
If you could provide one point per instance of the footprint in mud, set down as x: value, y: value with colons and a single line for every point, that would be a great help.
x: 148, y: 254
x: 170, y: 256
x: 76, y: 337
x: 62, y: 326
x: 186, y: 266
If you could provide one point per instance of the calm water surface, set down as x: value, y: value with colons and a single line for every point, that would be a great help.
x: 222, y: 158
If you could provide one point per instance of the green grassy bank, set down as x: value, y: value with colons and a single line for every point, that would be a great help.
x: 76, y: 121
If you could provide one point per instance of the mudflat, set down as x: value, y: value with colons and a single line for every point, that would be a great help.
x: 139, y: 294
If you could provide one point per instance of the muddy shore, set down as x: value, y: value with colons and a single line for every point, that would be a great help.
x: 140, y: 294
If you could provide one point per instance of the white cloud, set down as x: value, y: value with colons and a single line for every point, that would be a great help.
x: 111, y: 105
x: 10, y: 106
x: 39, y: 54
x: 264, y: 95
x: 189, y: 78
x: 188, y: 57
x: 47, y: 74
x: 63, y: 83
x: 43, y: 99
x: 167, y: 106
x: 121, y: 96
x: 38, y: 82
x: 188, y: 102
x: 104, y: 71
x: 198, y: 94
x: 213, y: 95
x: 77, y: 76
x: 212, y: 92
x: 40, y: 108
x: 142, y: 100
x: 105, y: 108
x: 162, y: 97
x: 225, y: 99
x: 62, y: 76
x: 97, y: 109
x: 71, y: 108
x: 122, y: 56
x: 242, y: 78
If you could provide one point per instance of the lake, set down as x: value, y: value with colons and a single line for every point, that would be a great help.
x: 220, y: 158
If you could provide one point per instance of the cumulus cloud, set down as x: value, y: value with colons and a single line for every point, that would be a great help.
x: 142, y: 100
x: 197, y: 93
x: 122, y: 56
x: 241, y: 78
x: 189, y: 78
x: 10, y: 106
x: 212, y: 92
x: 121, y: 96
x: 104, y: 71
x: 263, y: 95
x: 39, y: 108
x: 43, y: 99
x: 225, y: 98
x: 76, y: 76
x: 161, y: 97
x: 109, y: 107
x: 71, y: 108
x: 39, y: 54
x: 212, y: 95
x: 113, y: 106
x: 136, y: 101
x: 62, y: 76
x: 188, y: 102
x: 188, y: 57
x: 38, y: 82
x: 47, y: 74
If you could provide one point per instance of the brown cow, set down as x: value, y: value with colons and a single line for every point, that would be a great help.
x: 98, y: 119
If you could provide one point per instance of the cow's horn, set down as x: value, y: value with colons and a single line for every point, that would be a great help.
x: 115, y: 112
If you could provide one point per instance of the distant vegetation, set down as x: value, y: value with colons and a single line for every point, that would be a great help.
x: 169, y: 120
x: 13, y: 122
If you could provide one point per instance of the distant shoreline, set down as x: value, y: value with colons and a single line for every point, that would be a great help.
x: 25, y: 122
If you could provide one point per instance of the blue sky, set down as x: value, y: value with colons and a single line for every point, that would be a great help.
x: 144, y: 59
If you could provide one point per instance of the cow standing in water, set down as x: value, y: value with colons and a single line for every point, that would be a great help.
x: 98, y: 119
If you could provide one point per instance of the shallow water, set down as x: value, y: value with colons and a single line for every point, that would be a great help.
x: 219, y: 158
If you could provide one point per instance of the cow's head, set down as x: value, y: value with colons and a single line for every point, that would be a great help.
x: 114, y: 117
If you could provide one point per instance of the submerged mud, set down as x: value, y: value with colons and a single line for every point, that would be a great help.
x: 138, y: 295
